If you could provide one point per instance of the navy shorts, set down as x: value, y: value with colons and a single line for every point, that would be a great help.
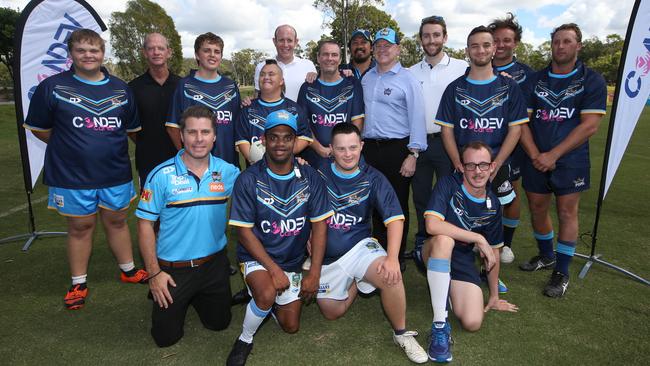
x: 561, y: 181
x: 501, y: 185
x: 516, y: 161
x: 462, y: 263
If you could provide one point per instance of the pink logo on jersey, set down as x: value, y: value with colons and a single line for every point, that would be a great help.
x: 283, y: 228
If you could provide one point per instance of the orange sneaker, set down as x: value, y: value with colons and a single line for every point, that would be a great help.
x: 139, y: 276
x: 76, y: 297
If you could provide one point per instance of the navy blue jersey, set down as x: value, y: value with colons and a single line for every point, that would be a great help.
x: 556, y: 103
x: 518, y: 71
x: 251, y: 122
x: 482, y: 110
x: 354, y: 197
x: 88, y: 147
x: 221, y: 95
x: 328, y: 104
x: 451, y: 202
x: 280, y: 210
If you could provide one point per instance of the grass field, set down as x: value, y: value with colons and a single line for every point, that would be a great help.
x: 604, y: 319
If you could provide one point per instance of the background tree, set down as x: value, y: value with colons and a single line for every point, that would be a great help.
x: 243, y: 64
x: 411, y: 51
x: 8, y: 20
x: 128, y: 30
x: 456, y: 53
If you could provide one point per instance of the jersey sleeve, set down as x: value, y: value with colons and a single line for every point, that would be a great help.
x: 493, y: 233
x: 132, y: 115
x: 231, y: 173
x: 319, y: 205
x: 385, y: 200
x: 302, y: 96
x: 595, y: 99
x: 358, y: 110
x: 527, y: 88
x: 152, y: 198
x: 439, y: 200
x: 40, y: 115
x: 176, y: 107
x: 241, y: 128
x: 236, y: 106
x: 517, y: 112
x: 304, y: 132
x: 445, y: 115
x: 242, y: 209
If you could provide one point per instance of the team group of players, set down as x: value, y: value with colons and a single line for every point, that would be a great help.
x: 478, y: 127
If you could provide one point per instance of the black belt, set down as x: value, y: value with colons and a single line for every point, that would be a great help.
x: 379, y: 141
x: 185, y: 264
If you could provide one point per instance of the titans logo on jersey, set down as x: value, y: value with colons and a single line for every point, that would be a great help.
x: 482, y: 110
x: 280, y: 210
x: 89, y: 148
x: 221, y: 95
x: 250, y: 126
x: 556, y: 103
x: 354, y: 197
x: 518, y: 71
x: 328, y: 104
x: 451, y: 202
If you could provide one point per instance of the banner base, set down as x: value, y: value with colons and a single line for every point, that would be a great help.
x: 596, y: 259
x: 31, y: 237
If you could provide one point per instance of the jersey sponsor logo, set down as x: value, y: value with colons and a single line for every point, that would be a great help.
x: 634, y: 78
x: 344, y: 222
x: 295, y: 282
x: 373, y: 246
x: 268, y: 201
x: 481, y: 124
x: 580, y: 182
x: 324, y: 288
x: 301, y: 197
x: 58, y: 200
x: 283, y: 228
x: 197, y: 97
x: 388, y: 91
x: 504, y: 187
x: 216, y: 176
x: 222, y: 117
x: 179, y: 180
x: 146, y: 195
x: 168, y: 170
x: 75, y: 100
x: 97, y: 123
x: 328, y: 120
x: 176, y: 191
x: 217, y: 187
x: 555, y: 114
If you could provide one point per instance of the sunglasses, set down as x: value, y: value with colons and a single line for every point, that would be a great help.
x: 433, y: 18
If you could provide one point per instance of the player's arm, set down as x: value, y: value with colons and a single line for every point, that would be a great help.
x: 449, y: 142
x: 43, y: 135
x: 245, y: 151
x: 359, y: 123
x: 133, y: 136
x: 158, y: 280
x: 527, y: 141
x: 254, y: 247
x: 175, y: 135
x: 320, y: 149
x: 508, y: 145
x: 436, y: 226
x: 309, y: 285
x: 300, y: 145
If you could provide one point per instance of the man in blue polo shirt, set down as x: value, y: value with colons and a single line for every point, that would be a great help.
x: 84, y: 115
x: 276, y: 205
x: 566, y: 104
x: 394, y: 130
x: 328, y: 101
x: 187, y: 260
x: 206, y: 87
x: 354, y: 261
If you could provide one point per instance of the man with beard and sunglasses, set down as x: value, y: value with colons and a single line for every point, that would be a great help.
x: 361, y: 60
x: 434, y: 72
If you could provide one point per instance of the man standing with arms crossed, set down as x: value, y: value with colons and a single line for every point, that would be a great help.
x: 394, y: 133
x: 567, y: 101
x: 187, y: 260
x: 434, y: 73
x: 276, y: 205
x: 507, y: 35
x: 70, y: 112
x: 153, y: 92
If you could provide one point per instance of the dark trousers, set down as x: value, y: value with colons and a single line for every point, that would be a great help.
x: 433, y: 160
x: 387, y: 156
x: 206, y: 288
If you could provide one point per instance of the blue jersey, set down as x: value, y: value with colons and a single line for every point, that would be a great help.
x: 250, y: 126
x: 482, y: 110
x: 280, y: 210
x: 191, y: 209
x: 221, y: 95
x: 328, y: 104
x: 353, y: 198
x: 557, y: 102
x: 89, y: 120
x: 451, y: 202
x: 518, y: 71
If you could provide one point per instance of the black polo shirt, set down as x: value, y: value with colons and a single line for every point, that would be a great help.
x: 153, y: 145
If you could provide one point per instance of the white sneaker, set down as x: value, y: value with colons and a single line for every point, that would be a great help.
x: 411, y: 347
x: 507, y: 256
x: 306, y: 265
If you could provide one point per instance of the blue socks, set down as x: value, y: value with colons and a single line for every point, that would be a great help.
x: 565, y: 251
x: 509, y: 226
x: 545, y: 244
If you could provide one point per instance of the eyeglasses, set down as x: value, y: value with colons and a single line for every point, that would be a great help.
x: 483, y: 166
x: 433, y: 18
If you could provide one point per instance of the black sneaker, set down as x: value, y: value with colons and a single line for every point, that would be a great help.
x: 239, y: 353
x: 536, y: 263
x: 240, y: 298
x: 557, y: 285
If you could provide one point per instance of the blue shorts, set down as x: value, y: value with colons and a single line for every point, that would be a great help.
x: 84, y: 202
x: 462, y: 263
x: 561, y: 181
x: 501, y: 185
x: 516, y: 161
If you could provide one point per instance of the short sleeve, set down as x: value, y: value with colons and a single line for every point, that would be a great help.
x: 319, y: 205
x: 358, y: 110
x: 40, y: 114
x: 595, y: 98
x: 304, y: 132
x: 242, y: 209
x: 241, y: 128
x: 385, y: 200
x: 440, y: 196
x: 445, y: 115
x: 517, y: 112
x: 132, y: 115
x: 176, y: 106
x: 152, y: 198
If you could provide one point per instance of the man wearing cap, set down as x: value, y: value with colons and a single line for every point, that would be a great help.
x: 394, y: 131
x: 294, y: 68
x: 361, y: 60
x: 434, y: 72
x: 187, y: 260
x: 277, y: 204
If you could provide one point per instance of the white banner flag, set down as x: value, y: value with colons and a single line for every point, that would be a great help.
x: 42, y: 52
x: 634, y: 87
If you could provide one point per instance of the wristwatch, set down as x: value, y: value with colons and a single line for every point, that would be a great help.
x: 415, y: 153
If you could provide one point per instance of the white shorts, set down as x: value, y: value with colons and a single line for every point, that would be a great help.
x: 336, y: 278
x: 289, y: 295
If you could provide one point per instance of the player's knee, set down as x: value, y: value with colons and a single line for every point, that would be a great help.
x: 81, y: 229
x: 265, y: 298
x: 333, y: 313
x: 166, y: 339
x: 567, y: 214
x: 218, y: 323
x: 290, y: 327
x: 472, y: 324
x: 115, y: 223
x: 442, y: 243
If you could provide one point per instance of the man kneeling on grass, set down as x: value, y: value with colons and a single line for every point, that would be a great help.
x: 353, y: 260
x: 462, y: 213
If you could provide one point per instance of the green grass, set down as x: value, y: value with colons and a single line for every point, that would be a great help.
x: 602, y: 320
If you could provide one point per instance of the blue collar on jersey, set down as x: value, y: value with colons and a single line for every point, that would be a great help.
x: 269, y: 104
x: 181, y: 168
x: 577, y: 68
x: 481, y: 82
x: 209, y: 81
x: 344, y: 175
x: 506, y: 67
x: 472, y: 198
x: 105, y: 80
x: 332, y: 83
